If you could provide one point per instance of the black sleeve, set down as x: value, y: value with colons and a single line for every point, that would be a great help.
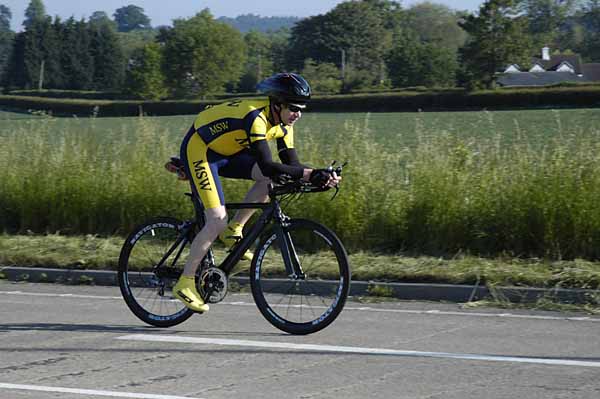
x: 268, y: 167
x: 289, y: 156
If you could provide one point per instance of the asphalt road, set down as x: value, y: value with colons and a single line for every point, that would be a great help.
x: 78, y: 341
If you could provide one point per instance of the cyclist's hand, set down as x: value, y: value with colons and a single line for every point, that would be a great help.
x: 281, y: 178
x: 335, y: 179
x: 324, y: 178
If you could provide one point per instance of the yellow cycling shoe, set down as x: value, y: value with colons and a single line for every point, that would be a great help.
x: 231, y: 236
x: 185, y: 291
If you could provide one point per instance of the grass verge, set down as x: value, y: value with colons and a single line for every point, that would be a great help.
x: 102, y: 253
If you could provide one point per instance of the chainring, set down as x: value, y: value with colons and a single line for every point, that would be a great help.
x: 213, y: 284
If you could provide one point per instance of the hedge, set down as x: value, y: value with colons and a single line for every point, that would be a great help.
x: 71, y: 94
x: 78, y: 107
x: 376, y: 102
x: 102, y: 95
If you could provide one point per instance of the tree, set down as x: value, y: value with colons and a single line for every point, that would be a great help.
x: 572, y: 33
x: 415, y: 63
x: 54, y: 76
x: 547, y: 20
x: 323, y: 78
x: 15, y: 74
x: 497, y: 37
x: 132, y: 42
x: 67, y: 55
x: 438, y: 64
x: 35, y: 11
x: 360, y: 32
x: 436, y: 23
x: 131, y: 17
x: 259, y: 62
x: 279, y: 46
x: 109, y: 63
x: 403, y: 61
x: 145, y: 78
x: 100, y: 18
x: 40, y: 55
x: 76, y: 58
x: 6, y: 37
x: 202, y: 55
x: 249, y: 22
x: 5, y: 17
x: 591, y: 41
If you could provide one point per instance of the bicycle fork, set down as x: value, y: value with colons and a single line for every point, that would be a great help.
x: 292, y: 264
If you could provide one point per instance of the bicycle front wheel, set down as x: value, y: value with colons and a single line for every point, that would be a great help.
x: 146, y: 288
x: 308, y: 301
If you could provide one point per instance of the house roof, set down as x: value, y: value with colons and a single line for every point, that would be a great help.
x: 512, y: 68
x: 554, y: 62
x: 538, y: 78
x: 591, y: 72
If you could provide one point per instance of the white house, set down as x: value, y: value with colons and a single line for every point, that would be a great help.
x: 548, y: 70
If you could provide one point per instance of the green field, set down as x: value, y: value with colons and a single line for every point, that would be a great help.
x: 523, y: 183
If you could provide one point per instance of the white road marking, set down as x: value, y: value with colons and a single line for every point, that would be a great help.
x: 346, y: 308
x: 356, y: 350
x: 88, y: 392
x: 47, y: 294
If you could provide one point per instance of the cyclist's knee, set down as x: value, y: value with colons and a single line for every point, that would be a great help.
x: 263, y: 183
x: 258, y: 177
x: 216, y: 220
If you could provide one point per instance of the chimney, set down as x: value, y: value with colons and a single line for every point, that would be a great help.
x: 546, y: 53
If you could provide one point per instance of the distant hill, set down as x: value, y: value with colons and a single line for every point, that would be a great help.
x: 247, y: 22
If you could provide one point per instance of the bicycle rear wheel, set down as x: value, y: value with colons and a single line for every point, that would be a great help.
x: 148, y: 292
x: 308, y: 303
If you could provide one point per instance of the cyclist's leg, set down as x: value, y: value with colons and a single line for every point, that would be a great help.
x: 259, y: 192
x: 206, y: 185
x: 215, y: 223
x: 244, y: 166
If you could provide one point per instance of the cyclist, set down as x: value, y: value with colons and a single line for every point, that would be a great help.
x: 230, y: 140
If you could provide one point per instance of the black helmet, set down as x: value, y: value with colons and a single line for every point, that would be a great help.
x: 288, y: 88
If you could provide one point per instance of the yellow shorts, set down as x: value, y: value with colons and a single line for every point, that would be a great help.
x: 204, y: 166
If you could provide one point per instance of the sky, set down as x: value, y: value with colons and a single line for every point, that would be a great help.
x: 163, y: 12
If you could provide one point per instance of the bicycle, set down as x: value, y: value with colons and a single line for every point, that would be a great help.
x: 299, y: 276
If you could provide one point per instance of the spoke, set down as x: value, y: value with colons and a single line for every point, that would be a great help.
x: 311, y: 308
x: 289, y: 305
x: 147, y: 251
x: 309, y: 298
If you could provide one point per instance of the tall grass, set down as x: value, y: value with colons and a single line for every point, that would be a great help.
x: 84, y: 179
x: 437, y: 193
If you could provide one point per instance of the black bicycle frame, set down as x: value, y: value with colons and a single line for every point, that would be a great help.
x: 271, y: 211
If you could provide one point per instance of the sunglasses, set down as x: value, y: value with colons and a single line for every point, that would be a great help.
x: 294, y: 108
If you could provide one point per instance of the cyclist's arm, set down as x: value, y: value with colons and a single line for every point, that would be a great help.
x: 289, y: 156
x: 270, y: 168
x: 261, y: 151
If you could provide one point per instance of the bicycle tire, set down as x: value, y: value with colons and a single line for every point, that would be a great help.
x: 147, y: 295
x: 290, y: 304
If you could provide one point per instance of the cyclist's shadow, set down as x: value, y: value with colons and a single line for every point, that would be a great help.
x: 123, y: 329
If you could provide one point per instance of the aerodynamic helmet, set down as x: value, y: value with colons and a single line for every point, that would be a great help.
x: 287, y: 88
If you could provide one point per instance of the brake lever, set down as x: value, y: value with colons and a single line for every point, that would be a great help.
x: 337, y: 190
x: 337, y: 171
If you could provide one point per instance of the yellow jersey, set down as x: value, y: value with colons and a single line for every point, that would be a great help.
x: 232, y: 126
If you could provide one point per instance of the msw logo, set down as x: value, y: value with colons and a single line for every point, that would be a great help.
x: 219, y: 127
x: 202, y: 175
